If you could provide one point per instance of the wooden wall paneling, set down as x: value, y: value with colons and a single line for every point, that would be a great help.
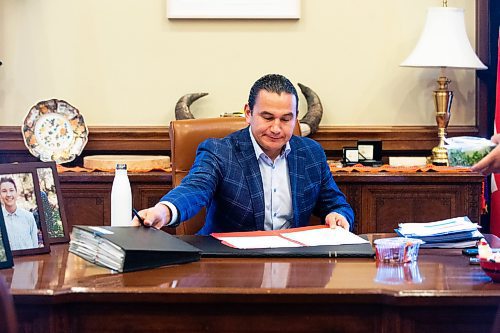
x: 485, y: 78
x: 400, y: 140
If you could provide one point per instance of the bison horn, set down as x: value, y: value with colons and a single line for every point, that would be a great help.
x: 182, y: 107
x: 310, y: 122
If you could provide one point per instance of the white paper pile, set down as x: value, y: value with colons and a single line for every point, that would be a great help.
x: 455, y: 232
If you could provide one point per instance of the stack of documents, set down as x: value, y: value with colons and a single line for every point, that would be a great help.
x: 126, y: 249
x: 458, y: 232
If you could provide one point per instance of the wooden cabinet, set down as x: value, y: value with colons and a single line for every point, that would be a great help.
x: 380, y: 200
x: 88, y: 204
x: 87, y: 196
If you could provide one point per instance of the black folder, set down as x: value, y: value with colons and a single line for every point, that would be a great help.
x: 212, y: 247
x: 130, y: 248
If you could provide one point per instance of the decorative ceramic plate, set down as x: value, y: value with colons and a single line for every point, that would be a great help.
x: 54, y: 130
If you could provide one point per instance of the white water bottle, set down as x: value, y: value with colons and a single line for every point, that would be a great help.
x: 121, y: 198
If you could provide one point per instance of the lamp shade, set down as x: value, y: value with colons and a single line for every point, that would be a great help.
x: 444, y: 42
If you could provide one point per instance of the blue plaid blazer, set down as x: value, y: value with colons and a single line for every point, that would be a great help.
x: 225, y: 178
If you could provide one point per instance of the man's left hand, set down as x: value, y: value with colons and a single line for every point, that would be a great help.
x: 334, y: 220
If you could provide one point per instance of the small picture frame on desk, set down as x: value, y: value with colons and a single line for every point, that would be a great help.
x: 370, y: 152
x: 5, y: 252
x: 350, y: 156
x: 53, y: 208
x: 22, y: 209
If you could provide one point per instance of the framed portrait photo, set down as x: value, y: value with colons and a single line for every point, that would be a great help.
x: 22, y: 209
x: 5, y: 252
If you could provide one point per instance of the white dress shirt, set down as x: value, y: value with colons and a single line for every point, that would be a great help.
x: 21, y: 229
x: 278, y: 210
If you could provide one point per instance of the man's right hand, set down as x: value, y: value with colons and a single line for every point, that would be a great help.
x: 155, y: 217
x: 491, y: 162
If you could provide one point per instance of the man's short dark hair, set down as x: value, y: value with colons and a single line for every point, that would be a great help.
x: 274, y: 83
x: 8, y: 180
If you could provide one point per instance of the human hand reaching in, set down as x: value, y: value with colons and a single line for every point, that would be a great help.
x: 334, y: 220
x: 155, y: 217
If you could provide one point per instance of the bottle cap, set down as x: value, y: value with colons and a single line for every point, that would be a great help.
x: 121, y: 166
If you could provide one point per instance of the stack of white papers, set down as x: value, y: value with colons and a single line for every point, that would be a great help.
x: 454, y: 232
x: 95, y: 249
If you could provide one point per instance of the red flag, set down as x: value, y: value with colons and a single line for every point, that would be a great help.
x: 495, y: 178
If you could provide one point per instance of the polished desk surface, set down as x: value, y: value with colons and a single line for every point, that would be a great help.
x: 440, y: 277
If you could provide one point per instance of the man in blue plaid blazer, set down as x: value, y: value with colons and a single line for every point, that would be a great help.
x: 259, y: 178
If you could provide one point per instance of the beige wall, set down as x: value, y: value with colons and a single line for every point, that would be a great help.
x: 122, y: 62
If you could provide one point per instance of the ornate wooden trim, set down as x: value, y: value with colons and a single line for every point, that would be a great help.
x: 102, y: 138
x: 394, y: 138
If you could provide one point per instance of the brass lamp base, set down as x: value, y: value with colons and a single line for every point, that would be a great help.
x: 439, y: 156
x: 442, y: 102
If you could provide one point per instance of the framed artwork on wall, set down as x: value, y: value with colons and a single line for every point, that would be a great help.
x: 234, y: 9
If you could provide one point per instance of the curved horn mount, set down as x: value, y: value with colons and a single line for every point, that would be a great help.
x: 182, y: 110
x: 310, y: 122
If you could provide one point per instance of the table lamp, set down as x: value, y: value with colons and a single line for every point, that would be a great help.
x: 443, y: 43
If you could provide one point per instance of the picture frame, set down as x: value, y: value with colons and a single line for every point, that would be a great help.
x: 234, y: 9
x: 53, y: 207
x: 22, y: 209
x: 6, y: 260
x: 370, y: 152
x: 350, y: 155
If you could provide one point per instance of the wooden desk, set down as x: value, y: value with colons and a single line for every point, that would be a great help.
x: 380, y: 200
x: 59, y: 292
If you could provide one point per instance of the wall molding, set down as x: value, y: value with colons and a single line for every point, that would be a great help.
x: 332, y: 138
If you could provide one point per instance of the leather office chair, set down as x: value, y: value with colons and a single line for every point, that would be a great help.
x: 8, y: 320
x: 185, y: 136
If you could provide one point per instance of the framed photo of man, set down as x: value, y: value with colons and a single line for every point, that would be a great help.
x: 5, y: 252
x: 22, y: 209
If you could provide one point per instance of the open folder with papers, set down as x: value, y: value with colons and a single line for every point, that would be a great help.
x: 317, y: 242
x: 297, y: 237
